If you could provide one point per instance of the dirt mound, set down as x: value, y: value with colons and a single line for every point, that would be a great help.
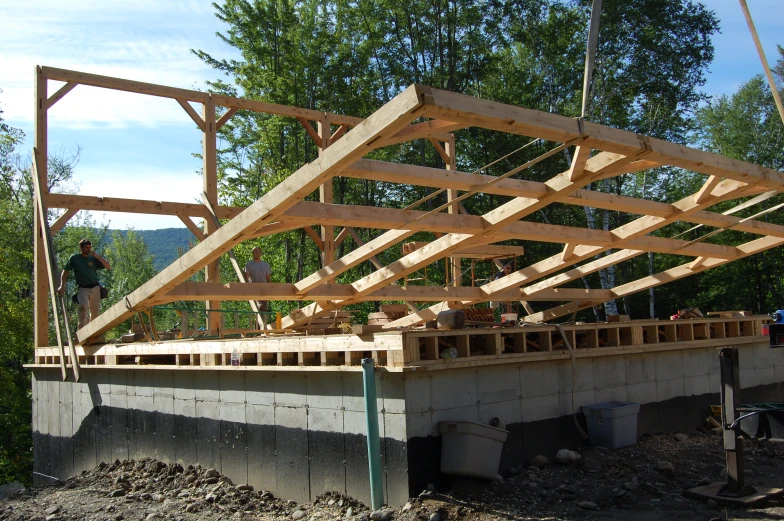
x: 640, y: 483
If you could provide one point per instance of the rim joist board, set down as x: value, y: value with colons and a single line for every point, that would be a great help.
x: 419, y: 112
x: 422, y: 349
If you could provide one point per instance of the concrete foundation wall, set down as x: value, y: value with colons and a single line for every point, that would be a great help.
x: 301, y: 433
x: 534, y: 400
x: 298, y: 434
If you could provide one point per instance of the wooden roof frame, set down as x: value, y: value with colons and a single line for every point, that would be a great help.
x: 342, y: 152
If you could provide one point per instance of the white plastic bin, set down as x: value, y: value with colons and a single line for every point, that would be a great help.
x: 612, y: 424
x: 471, y: 449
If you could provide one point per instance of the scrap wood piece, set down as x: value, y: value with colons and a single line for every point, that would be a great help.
x: 51, y: 271
x: 729, y: 314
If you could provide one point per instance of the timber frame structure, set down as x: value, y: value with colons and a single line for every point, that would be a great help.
x: 419, y: 112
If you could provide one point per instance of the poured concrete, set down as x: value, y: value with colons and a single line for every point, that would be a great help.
x: 300, y: 433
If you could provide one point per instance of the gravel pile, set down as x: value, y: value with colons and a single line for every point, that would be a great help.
x: 640, y: 483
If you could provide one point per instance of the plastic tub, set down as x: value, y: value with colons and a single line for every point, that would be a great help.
x: 471, y: 449
x: 612, y: 424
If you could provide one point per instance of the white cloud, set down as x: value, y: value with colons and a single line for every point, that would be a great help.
x: 143, y: 40
x: 138, y: 182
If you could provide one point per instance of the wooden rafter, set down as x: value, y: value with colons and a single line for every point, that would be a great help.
x: 458, y: 234
x: 625, y: 235
x: 678, y: 272
x: 398, y: 113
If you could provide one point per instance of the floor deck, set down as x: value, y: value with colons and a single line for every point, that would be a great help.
x: 423, y: 349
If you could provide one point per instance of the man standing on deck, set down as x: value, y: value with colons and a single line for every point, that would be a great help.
x: 85, y: 266
x: 257, y: 270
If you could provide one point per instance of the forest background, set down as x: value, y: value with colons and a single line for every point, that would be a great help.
x: 351, y: 57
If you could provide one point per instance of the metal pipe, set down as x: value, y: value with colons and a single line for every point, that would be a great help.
x: 373, y: 440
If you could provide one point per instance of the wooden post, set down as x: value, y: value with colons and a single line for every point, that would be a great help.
x: 260, y: 320
x: 451, y: 195
x: 51, y: 269
x: 40, y: 285
x: 758, y: 45
x: 325, y: 196
x: 210, y: 168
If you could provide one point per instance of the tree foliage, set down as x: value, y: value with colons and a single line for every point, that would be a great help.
x: 352, y: 56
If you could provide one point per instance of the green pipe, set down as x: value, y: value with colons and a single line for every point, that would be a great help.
x: 373, y: 440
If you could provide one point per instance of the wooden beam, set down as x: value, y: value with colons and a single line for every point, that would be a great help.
x: 626, y: 234
x: 577, y: 168
x: 704, y: 192
x: 195, y: 230
x: 771, y: 81
x: 61, y: 221
x: 210, y: 188
x: 678, y: 272
x: 433, y: 128
x: 311, y: 131
x: 582, y: 197
x: 341, y: 237
x: 234, y: 264
x: 324, y: 292
x: 41, y: 151
x: 568, y: 251
x: 453, y: 209
x: 377, y: 263
x: 326, y: 196
x: 476, y: 252
x: 563, y: 294
x: 352, y: 259
x: 51, y: 266
x: 387, y: 120
x: 60, y: 94
x: 152, y: 89
x: 696, y: 263
x: 471, y: 111
x: 600, y: 165
x: 225, y: 117
x: 315, y: 236
x: 342, y: 129
x: 192, y: 113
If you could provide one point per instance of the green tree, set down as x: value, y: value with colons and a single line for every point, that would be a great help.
x: 351, y: 56
x: 132, y: 266
x: 15, y: 313
x: 745, y: 125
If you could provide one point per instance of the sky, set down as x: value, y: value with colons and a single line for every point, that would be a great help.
x: 142, y: 147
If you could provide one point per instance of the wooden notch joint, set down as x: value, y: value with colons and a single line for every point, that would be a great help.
x: 192, y: 113
x: 60, y: 94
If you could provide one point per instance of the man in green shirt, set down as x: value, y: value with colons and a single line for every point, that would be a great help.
x: 85, y: 266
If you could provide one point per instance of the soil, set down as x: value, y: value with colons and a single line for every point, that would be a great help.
x: 640, y: 483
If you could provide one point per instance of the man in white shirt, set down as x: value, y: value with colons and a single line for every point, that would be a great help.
x: 257, y: 270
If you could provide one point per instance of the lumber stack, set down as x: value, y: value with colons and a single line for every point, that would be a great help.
x: 388, y: 313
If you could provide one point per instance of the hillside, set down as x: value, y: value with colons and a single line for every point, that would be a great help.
x: 164, y: 244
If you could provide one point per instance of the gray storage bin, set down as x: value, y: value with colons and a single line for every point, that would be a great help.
x: 471, y: 449
x: 612, y: 424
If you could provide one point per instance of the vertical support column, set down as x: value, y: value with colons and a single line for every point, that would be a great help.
x: 451, y: 195
x: 733, y: 445
x: 210, y: 168
x: 40, y: 284
x: 325, y: 196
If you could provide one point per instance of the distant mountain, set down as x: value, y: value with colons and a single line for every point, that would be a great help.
x: 163, y: 244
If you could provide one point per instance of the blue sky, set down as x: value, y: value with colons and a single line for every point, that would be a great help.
x: 141, y: 147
